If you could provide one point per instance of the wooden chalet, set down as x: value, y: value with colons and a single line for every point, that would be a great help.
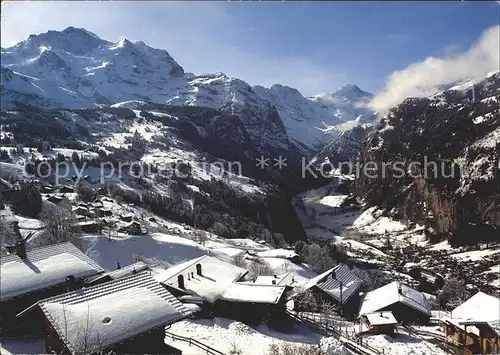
x: 379, y: 322
x: 475, y: 325
x: 88, y: 226
x: 134, y: 228
x: 252, y: 303
x: 125, y: 316
x: 31, y: 275
x: 338, y: 286
x: 119, y: 273
x: 406, y: 304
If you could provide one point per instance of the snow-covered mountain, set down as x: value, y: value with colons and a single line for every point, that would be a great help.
x: 452, y: 140
x: 74, y: 68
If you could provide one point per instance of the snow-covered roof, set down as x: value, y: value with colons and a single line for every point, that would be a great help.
x: 109, y: 313
x: 252, y: 293
x: 217, y: 275
x: 124, y: 271
x: 277, y: 253
x: 287, y: 279
x: 381, y: 318
x: 480, y: 307
x: 389, y: 294
x: 331, y: 285
x: 44, y: 267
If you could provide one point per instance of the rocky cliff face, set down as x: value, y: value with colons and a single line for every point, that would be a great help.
x: 74, y: 69
x: 436, y: 162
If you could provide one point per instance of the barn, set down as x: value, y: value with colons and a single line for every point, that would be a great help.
x: 252, y: 303
x: 117, y: 274
x: 475, y: 324
x: 128, y: 315
x: 31, y: 275
x: 406, y: 304
x: 338, y: 286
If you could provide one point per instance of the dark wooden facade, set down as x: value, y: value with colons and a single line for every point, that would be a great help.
x: 488, y: 341
x: 151, y: 342
x: 252, y: 313
x: 349, y: 308
x: 12, y: 327
x: 406, y: 314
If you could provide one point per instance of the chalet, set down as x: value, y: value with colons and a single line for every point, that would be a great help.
x: 379, y: 322
x: 406, y: 304
x: 338, y: 286
x: 89, y: 226
x: 252, y: 303
x: 31, y: 275
x: 475, y: 324
x: 54, y: 199
x: 206, y: 276
x: 128, y: 315
x: 66, y: 189
x: 125, y: 271
x: 133, y: 228
x: 127, y: 217
x: 281, y: 254
x: 103, y: 212
x: 80, y: 211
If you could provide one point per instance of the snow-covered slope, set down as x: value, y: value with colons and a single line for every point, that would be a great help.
x: 74, y: 68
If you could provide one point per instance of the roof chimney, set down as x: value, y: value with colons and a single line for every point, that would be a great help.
x: 21, y: 249
x: 198, y: 269
x: 274, y: 282
x: 71, y: 283
x: 400, y: 289
x: 180, y: 281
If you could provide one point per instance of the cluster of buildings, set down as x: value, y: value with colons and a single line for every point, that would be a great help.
x: 58, y: 293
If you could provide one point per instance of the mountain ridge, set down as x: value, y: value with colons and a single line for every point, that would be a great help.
x: 74, y: 68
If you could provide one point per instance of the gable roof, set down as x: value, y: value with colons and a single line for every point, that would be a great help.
x: 389, y: 294
x: 332, y: 286
x: 44, y: 267
x: 109, y: 313
x: 480, y: 307
x: 253, y: 293
x: 119, y: 273
x: 217, y: 275
x: 381, y: 318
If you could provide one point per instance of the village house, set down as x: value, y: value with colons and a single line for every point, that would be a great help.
x: 205, y: 277
x: 252, y: 303
x: 31, y: 275
x: 103, y: 212
x: 128, y: 315
x: 88, y: 226
x: 406, y: 304
x: 119, y: 273
x: 128, y: 217
x: 133, y: 228
x: 475, y: 324
x: 338, y: 286
x: 281, y: 254
x: 379, y: 322
x: 80, y: 211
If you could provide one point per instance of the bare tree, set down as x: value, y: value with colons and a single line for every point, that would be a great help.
x: 304, y: 300
x: 234, y: 349
x: 7, y: 235
x: 259, y: 267
x: 58, y: 220
x: 200, y: 236
x: 239, y: 260
x: 453, y: 293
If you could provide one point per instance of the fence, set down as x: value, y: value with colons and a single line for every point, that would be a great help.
x: 326, y: 325
x: 193, y: 342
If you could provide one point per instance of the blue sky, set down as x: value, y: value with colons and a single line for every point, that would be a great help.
x: 313, y: 46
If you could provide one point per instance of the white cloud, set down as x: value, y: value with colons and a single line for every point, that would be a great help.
x: 203, y: 37
x: 424, y: 78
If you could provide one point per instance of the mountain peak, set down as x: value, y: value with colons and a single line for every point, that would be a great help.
x: 351, y: 92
